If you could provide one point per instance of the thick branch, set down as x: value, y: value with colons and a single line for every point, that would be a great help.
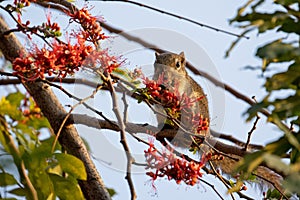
x: 146, y: 128
x: 166, y: 133
x: 94, y: 187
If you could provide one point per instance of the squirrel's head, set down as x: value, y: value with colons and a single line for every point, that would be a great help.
x: 175, y: 61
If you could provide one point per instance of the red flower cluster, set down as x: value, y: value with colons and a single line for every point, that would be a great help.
x: 102, y: 60
x: 50, y: 29
x: 175, y: 102
x: 92, y: 29
x: 63, y: 59
x: 157, y: 91
x: 167, y: 164
x: 200, y: 123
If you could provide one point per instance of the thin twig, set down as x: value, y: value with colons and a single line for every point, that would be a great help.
x: 241, y: 195
x: 219, y: 152
x: 212, y: 186
x: 251, y: 131
x: 253, y: 127
x: 123, y: 138
x: 79, y: 99
x: 179, y: 17
x: 51, y: 79
x: 69, y: 113
x: 220, y: 177
x: 126, y: 105
x: 24, y: 28
x: 234, y: 140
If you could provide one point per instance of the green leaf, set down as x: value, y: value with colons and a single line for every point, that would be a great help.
x: 275, y: 162
x: 289, y: 79
x: 290, y: 26
x: 122, y: 72
x: 72, y: 165
x: 236, y: 187
x: 15, y: 98
x: 111, y: 192
x: 7, y: 179
x: 37, y: 163
x: 6, y: 108
x: 277, y: 51
x: 38, y: 123
x: 253, y: 110
x: 273, y: 194
x: 262, y: 21
x: 295, y: 155
x: 231, y: 182
x: 250, y: 162
x: 44, y: 149
x: 286, y: 2
x: 287, y: 107
x: 18, y: 191
x: 279, y: 147
x: 66, y: 188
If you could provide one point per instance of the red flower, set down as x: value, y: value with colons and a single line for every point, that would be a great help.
x: 92, y: 29
x: 167, y: 164
x: 174, y: 102
x: 200, y: 123
x: 62, y: 59
x: 103, y: 61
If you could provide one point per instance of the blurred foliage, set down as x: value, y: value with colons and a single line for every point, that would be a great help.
x: 26, y: 160
x: 282, y: 17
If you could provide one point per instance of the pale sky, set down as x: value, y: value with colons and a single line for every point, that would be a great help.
x: 203, y: 47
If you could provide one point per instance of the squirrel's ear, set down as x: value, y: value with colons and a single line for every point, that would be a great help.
x: 182, y: 54
x: 156, y: 54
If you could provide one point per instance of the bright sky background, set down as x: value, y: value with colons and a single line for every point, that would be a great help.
x: 206, y: 49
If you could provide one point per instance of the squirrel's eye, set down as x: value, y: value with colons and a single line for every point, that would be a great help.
x: 178, y: 64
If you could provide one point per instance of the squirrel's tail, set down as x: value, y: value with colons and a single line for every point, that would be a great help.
x: 267, y: 177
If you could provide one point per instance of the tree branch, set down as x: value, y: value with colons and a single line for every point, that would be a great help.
x: 146, y: 128
x: 234, y: 140
x: 123, y: 137
x: 251, y: 131
x: 154, y: 131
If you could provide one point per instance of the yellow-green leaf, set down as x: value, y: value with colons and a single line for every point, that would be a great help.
x: 72, y: 165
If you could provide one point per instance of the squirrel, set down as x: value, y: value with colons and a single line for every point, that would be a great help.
x: 171, y: 67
